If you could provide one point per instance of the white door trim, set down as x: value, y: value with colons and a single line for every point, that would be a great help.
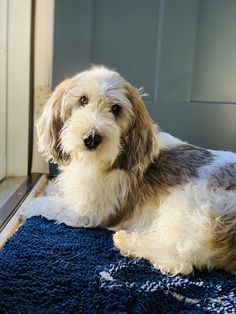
x: 18, y: 86
x: 3, y: 85
x: 44, y: 33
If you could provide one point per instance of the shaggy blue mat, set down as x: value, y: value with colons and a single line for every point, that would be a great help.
x: 51, y: 268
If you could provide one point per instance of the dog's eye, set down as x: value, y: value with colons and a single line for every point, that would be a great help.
x: 83, y: 100
x: 115, y: 109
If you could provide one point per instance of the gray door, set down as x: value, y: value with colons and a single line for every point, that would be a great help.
x: 183, y: 52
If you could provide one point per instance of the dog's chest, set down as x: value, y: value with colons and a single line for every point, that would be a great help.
x: 92, y: 192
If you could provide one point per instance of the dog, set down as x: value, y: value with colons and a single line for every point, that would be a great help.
x: 169, y: 202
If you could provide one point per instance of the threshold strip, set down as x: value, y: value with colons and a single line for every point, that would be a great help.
x: 14, y: 202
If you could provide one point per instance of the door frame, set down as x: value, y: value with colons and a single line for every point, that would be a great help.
x: 3, y: 85
x: 18, y: 86
x: 43, y: 63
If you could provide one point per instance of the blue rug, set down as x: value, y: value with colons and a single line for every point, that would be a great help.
x: 51, y: 268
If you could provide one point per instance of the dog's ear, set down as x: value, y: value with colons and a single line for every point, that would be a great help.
x: 49, y: 126
x: 139, y: 145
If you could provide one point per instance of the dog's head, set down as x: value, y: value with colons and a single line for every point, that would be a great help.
x: 97, y: 116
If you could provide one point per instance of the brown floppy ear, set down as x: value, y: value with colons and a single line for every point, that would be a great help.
x: 49, y: 126
x: 140, y: 144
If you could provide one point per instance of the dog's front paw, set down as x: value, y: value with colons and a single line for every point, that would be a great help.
x: 122, y: 241
x: 120, y: 238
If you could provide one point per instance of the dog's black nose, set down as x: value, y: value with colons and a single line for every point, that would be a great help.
x: 92, y: 141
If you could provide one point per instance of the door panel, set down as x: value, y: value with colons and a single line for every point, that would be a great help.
x: 203, y: 116
x: 120, y: 34
x: 72, y: 38
x: 215, y: 75
x: 122, y: 38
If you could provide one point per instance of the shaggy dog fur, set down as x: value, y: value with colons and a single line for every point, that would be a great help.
x: 169, y: 202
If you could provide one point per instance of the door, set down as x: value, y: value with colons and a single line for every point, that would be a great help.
x: 3, y: 81
x: 182, y: 52
x: 197, y: 95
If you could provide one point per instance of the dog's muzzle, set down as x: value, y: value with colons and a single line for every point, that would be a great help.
x: 92, y: 140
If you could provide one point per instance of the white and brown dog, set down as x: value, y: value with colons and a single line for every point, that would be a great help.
x: 169, y: 202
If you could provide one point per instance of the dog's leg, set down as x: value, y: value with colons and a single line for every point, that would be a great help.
x: 177, y: 238
x: 144, y: 245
